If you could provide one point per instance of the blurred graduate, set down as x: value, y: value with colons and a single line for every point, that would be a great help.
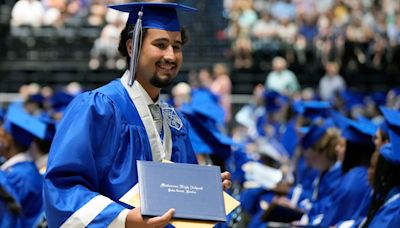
x: 381, y: 138
x: 92, y: 161
x: 19, y: 169
x: 353, y: 187
x: 384, y: 210
x: 10, y: 208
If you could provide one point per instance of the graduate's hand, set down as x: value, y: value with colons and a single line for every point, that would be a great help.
x: 136, y: 220
x: 283, y: 201
x: 226, y: 180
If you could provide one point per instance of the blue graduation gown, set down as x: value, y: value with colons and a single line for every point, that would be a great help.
x: 347, y: 198
x: 305, y: 177
x: 389, y: 214
x: 328, y: 183
x: 289, y: 138
x: 94, y: 154
x: 26, y: 182
x: 7, y: 219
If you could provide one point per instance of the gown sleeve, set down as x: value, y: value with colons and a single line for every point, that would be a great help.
x: 86, y: 141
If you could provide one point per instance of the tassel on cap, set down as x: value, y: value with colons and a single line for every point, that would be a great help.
x: 136, y: 40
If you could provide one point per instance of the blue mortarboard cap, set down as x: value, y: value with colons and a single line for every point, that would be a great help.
x: 155, y: 14
x: 274, y: 100
x: 17, y: 123
x: 392, y: 118
x: 379, y: 98
x: 367, y: 123
x: 50, y: 128
x: 149, y: 15
x: 312, y: 109
x: 384, y: 127
x: 359, y: 132
x: 38, y: 98
x: 60, y: 100
x: 352, y: 98
x: 390, y: 154
x: 316, y: 131
x: 23, y: 126
x: 339, y: 119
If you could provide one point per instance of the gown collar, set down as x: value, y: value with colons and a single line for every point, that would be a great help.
x: 18, y: 158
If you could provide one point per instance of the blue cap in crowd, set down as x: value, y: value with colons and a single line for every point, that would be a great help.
x: 18, y: 124
x: 359, y: 132
x: 379, y: 98
x: 384, y: 127
x: 315, y: 133
x: 352, y: 99
x: 339, y: 119
x: 24, y: 127
x: 391, y: 155
x: 312, y: 109
x: 274, y: 101
x: 60, y: 100
x: 367, y: 123
x: 392, y: 118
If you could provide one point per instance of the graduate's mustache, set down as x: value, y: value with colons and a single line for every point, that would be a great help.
x: 169, y: 62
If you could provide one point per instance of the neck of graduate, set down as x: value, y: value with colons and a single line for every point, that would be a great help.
x: 152, y: 91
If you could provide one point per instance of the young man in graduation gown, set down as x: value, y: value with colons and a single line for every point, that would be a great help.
x: 92, y: 161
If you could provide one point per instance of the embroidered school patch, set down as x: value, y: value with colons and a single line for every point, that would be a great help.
x: 172, y: 117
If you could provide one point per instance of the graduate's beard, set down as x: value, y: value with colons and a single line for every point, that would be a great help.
x: 161, y: 83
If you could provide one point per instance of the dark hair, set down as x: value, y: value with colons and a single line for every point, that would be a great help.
x: 384, y: 135
x: 386, y: 177
x: 357, y: 155
x: 126, y: 34
x: 10, y: 202
x: 19, y: 147
x: 43, y: 145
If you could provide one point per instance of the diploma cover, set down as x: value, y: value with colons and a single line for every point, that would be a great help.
x: 194, y: 191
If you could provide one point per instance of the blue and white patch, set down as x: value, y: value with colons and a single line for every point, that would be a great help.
x: 172, y: 117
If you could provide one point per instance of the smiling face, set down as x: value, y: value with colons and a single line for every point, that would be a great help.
x: 160, y: 59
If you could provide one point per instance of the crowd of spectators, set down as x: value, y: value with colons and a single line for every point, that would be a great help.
x: 77, y: 13
x: 351, y: 32
x: 59, y: 13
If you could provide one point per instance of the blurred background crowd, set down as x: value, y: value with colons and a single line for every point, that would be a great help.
x: 281, y: 83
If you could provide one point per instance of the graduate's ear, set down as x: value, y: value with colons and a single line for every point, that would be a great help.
x: 129, y: 47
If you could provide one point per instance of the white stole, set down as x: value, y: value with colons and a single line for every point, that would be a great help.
x: 160, y: 150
